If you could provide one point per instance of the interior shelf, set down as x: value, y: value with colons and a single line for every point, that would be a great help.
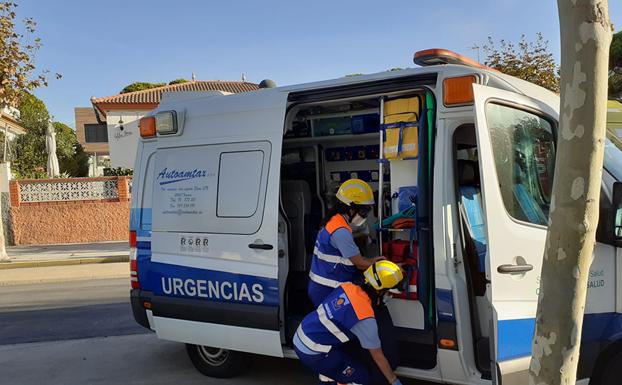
x: 330, y: 139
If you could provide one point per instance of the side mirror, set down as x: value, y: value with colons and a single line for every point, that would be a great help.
x: 617, y: 212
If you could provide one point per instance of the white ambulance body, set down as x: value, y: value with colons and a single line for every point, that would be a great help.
x: 229, y: 191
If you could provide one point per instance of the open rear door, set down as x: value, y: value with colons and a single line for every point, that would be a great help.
x: 516, y: 151
x: 214, y: 270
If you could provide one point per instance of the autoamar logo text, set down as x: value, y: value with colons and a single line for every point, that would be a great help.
x: 167, y: 176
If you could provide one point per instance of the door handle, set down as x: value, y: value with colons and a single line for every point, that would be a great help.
x: 261, y: 246
x: 514, y: 269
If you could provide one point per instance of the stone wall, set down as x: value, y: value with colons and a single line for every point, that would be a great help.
x: 76, y: 210
x: 70, y: 222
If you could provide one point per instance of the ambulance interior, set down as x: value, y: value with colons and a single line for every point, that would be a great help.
x: 326, y: 143
x: 473, y: 239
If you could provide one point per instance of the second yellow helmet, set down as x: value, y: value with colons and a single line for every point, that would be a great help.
x: 383, y: 275
x: 355, y: 191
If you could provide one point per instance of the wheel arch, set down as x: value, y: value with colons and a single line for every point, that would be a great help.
x: 608, y: 351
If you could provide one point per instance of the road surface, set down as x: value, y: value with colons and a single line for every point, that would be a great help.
x: 82, y: 332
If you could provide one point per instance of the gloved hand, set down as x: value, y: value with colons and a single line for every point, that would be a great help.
x: 396, y: 382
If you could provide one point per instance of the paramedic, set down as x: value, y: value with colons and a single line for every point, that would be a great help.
x: 346, y: 314
x: 336, y: 258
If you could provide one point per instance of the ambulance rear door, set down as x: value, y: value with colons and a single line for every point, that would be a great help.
x: 516, y: 154
x: 215, y: 215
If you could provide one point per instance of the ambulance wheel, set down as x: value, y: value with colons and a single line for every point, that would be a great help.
x: 216, y: 362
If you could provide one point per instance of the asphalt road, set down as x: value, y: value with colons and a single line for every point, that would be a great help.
x: 65, y: 311
x: 82, y: 332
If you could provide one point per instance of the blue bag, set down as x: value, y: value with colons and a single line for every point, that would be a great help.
x: 406, y: 197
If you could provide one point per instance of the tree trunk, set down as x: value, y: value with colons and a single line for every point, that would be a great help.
x: 585, y: 38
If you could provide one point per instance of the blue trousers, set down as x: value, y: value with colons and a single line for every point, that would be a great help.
x: 337, y: 365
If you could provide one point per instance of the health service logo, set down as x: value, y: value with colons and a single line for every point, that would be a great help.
x: 167, y: 177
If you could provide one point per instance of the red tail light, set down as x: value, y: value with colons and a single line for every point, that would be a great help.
x: 133, y: 262
x: 132, y: 238
x: 134, y: 274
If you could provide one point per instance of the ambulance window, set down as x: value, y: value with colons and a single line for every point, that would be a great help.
x: 239, y: 182
x: 524, y: 152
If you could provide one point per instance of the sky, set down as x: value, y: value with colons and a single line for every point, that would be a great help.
x: 99, y: 47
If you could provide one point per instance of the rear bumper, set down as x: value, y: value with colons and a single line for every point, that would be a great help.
x: 222, y: 313
x: 137, y: 297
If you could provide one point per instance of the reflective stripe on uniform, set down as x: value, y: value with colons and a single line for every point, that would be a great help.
x: 393, y: 272
x: 328, y: 324
x: 310, y: 344
x: 332, y: 258
x: 323, y: 281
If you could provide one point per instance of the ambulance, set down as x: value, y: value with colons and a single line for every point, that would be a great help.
x: 614, y: 121
x: 230, y: 189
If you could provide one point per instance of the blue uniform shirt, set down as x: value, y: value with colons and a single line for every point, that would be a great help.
x: 343, y: 241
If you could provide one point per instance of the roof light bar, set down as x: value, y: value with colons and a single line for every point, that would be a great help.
x: 436, y: 56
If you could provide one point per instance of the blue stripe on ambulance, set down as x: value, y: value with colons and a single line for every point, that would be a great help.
x: 514, y: 336
x: 143, y: 260
x: 140, y: 221
x: 188, y: 282
x: 445, y: 305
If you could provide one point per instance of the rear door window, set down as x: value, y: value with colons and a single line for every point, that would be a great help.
x: 239, y: 181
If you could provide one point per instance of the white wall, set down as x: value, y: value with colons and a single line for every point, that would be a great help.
x: 123, y: 142
x: 95, y: 165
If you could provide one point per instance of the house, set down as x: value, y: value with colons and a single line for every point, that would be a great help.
x: 111, y: 132
x: 8, y: 123
x: 93, y: 136
x: 11, y: 129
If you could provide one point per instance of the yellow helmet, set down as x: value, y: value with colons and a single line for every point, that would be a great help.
x: 355, y: 191
x: 383, y: 275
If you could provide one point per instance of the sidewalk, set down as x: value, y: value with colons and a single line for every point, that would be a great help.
x: 48, y: 274
x: 63, y: 255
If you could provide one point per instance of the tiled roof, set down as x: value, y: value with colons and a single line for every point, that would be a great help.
x: 153, y: 95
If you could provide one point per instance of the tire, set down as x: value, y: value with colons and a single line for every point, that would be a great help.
x: 611, y: 371
x: 216, y: 362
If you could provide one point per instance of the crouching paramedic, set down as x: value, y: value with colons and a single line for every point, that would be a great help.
x: 336, y: 257
x: 347, y: 314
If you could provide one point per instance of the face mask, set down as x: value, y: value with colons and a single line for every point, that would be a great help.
x: 358, y: 221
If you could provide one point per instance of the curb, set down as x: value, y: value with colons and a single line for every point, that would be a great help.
x: 64, y: 262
